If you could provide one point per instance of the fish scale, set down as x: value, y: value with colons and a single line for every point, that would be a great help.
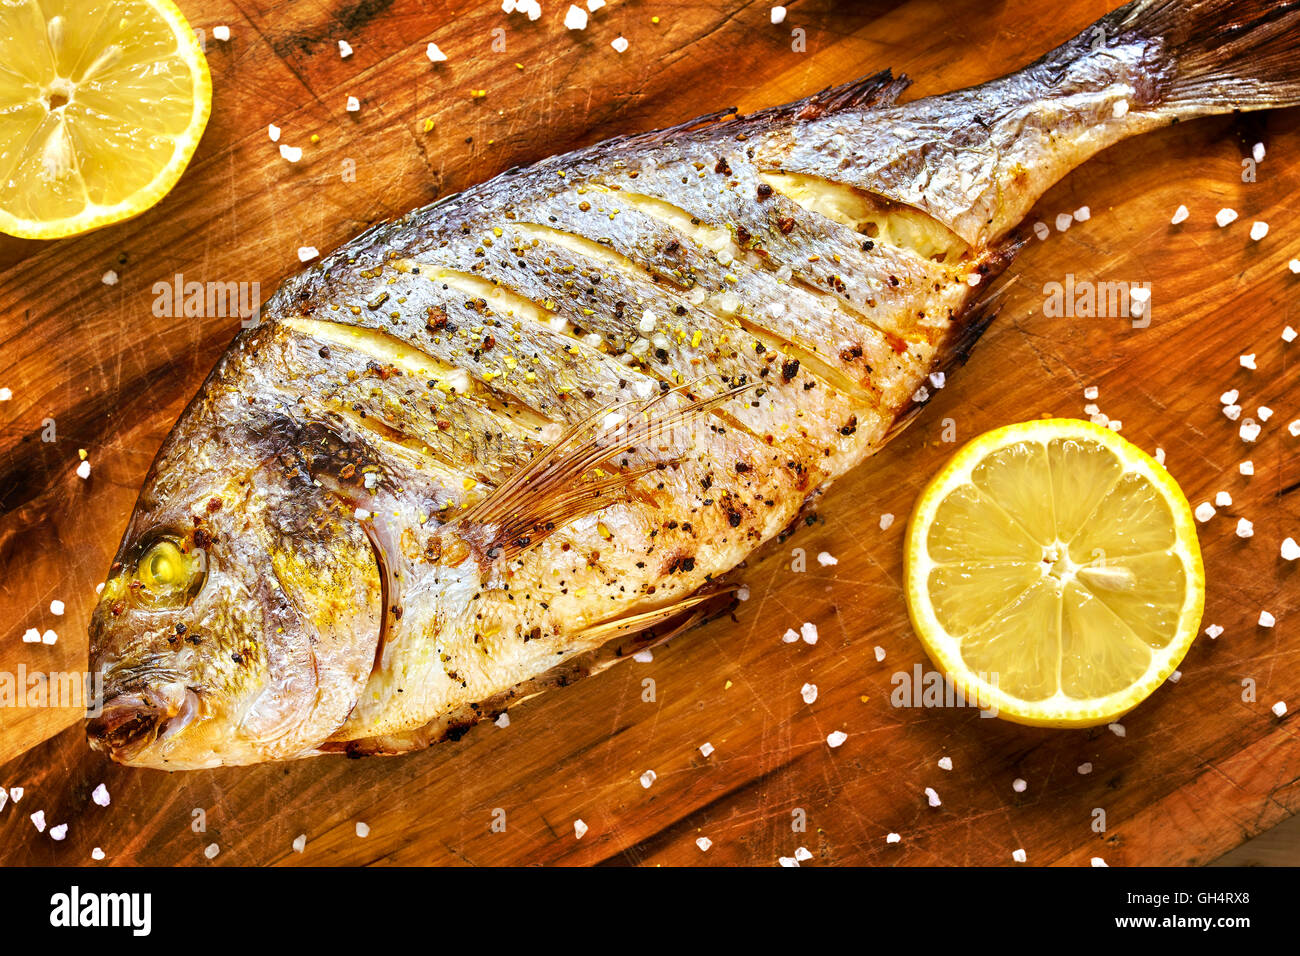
x: 449, y: 471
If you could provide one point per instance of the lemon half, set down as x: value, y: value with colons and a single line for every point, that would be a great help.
x: 102, y: 104
x: 1053, y: 573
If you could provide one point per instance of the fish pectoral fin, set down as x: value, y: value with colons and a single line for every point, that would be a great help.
x: 646, y: 620
x: 556, y: 487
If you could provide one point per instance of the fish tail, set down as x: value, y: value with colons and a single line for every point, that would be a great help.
x: 1220, y: 55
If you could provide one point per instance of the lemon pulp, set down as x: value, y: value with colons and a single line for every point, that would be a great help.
x: 1053, y: 570
x: 103, y: 103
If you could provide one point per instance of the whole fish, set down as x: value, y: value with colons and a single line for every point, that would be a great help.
x: 464, y: 455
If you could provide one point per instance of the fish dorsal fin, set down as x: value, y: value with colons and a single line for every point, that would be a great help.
x: 556, y: 487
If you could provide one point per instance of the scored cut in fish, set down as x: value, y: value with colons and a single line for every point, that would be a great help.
x: 462, y: 456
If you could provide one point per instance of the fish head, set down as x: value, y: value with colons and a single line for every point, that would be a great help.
x: 243, y: 612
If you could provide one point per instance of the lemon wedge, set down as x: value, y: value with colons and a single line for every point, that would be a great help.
x: 102, y: 105
x: 1053, y: 573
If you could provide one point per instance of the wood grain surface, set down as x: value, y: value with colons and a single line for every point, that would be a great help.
x: 1199, y: 769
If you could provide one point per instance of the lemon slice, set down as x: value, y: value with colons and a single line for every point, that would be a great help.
x: 102, y: 103
x: 1053, y: 573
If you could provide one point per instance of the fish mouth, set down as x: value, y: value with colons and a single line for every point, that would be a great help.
x: 131, y: 722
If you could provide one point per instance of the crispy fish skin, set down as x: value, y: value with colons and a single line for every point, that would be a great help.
x: 474, y: 452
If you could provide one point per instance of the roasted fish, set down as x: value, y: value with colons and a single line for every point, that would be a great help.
x: 466, y: 454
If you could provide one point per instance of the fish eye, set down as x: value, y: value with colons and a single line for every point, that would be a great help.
x: 165, y: 574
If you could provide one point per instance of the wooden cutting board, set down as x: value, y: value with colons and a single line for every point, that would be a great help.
x: 1200, y: 768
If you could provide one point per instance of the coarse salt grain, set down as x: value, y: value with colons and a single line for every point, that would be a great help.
x: 594, y: 5
x: 1019, y: 855
x: 100, y: 796
x: 1091, y: 393
x: 787, y: 861
x: 503, y: 721
x: 892, y: 838
x: 291, y: 153
x: 1160, y: 456
x: 434, y: 54
x: 1258, y: 230
x: 1042, y: 230
x: 1266, y: 619
x: 579, y: 828
x: 109, y: 278
x: 803, y: 854
x: 826, y: 559
x: 1085, y: 768
x: 345, y: 49
x: 1204, y: 512
x: 1019, y: 785
x: 1175, y: 676
x: 31, y: 636
x: 742, y: 593
x: 1247, y: 361
x: 1288, y: 334
x: 1063, y: 221
x: 1279, y: 709
x: 1290, y: 549
x: 1222, y: 500
x: 1225, y: 216
x: 38, y: 821
x: 211, y: 851
x: 1082, y: 214
x: 1246, y: 467
x: 353, y: 105
x: 809, y: 632
x: 1229, y: 397
x: 932, y: 797
x: 1180, y: 215
x: 274, y: 132
x: 221, y: 33
x: 59, y: 832
x: 879, y: 652
x: 1117, y: 729
x: 1294, y: 266
x: 706, y: 748
x: 1245, y: 528
x: 56, y: 608
x: 96, y: 854
x: 808, y: 692
x: 704, y: 843
x: 307, y: 253
x: 49, y: 637
x: 1264, y: 413
x: 945, y: 763
x: 1294, y: 428
x: 1120, y: 109
x: 938, y: 379
x: 1249, y: 430
x: 778, y: 15
x: 835, y: 738
x: 885, y: 521
x: 363, y: 829
x: 790, y: 636
x: 1098, y: 861
x: 16, y: 793
x: 619, y: 44
x: 1257, y: 152
x: 643, y: 657
x: 1233, y: 412
x: 648, y: 778
x: 6, y: 394
x: 83, y: 470
x: 1213, y: 631
x: 575, y: 18
x: 299, y: 843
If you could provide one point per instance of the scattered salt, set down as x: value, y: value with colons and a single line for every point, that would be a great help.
x: 932, y: 797
x: 211, y: 851
x: 434, y: 54
x: 579, y: 829
x: 299, y: 843
x: 109, y: 278
x: 1019, y: 855
x: 778, y: 14
x: 221, y: 33
x: 1019, y: 785
x: 354, y: 104
x: 59, y: 832
x: 502, y: 721
x: 809, y: 632
x: 100, y: 796
x: 893, y: 838
x: 1247, y: 361
x: 38, y: 821
x: 1266, y: 619
x: 885, y: 521
x: 1120, y: 109
x: 1213, y: 631
x: 1290, y: 549
x: 1222, y: 500
x: 575, y: 18
x: 291, y: 153
x: 1249, y: 430
x: 704, y: 843
x: 1180, y: 215
x: 1257, y: 152
x: 1245, y: 528
x: 31, y: 636
x: 790, y: 636
x: 945, y: 763
x: 96, y: 854
x: 1288, y: 334
x: 1042, y: 230
x: 1258, y: 230
x: 83, y: 470
x: 363, y: 829
x: 1063, y: 221
x: 648, y: 778
x: 274, y: 132
x: 1082, y: 214
x: 307, y: 253
x: 1246, y: 467
x: 1279, y: 709
x: 1098, y: 861
x: 1085, y: 768
x: 808, y: 692
x: 1204, y: 511
x: 345, y: 49
x: 835, y: 738
x: 1091, y: 393
x: 619, y: 44
x: 826, y: 559
x: 1225, y: 216
x: 706, y: 748
x: 1117, y: 729
x: 643, y: 657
